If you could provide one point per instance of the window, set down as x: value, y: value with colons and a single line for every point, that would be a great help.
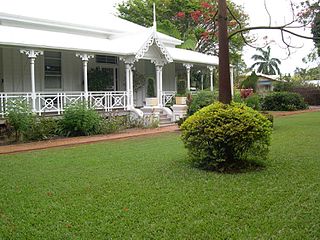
x: 106, y: 59
x: 52, y: 70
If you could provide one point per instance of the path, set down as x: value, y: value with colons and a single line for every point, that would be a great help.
x: 24, y: 147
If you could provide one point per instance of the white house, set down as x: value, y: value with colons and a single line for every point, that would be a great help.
x: 46, y: 61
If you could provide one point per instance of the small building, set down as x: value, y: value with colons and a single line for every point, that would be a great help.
x: 265, y: 82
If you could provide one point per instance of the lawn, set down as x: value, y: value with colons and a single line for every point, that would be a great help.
x: 143, y: 189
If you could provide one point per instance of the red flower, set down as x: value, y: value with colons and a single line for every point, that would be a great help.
x: 205, y: 35
x: 181, y: 15
x: 196, y: 15
x: 206, y: 5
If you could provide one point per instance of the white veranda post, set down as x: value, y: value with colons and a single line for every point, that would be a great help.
x: 85, y: 58
x: 231, y: 79
x: 159, y: 84
x: 188, y: 68
x: 211, y: 77
x: 32, y: 55
x: 128, y: 80
x: 202, y: 81
x: 131, y: 87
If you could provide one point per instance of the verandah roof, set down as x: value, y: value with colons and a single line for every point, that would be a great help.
x: 122, y: 45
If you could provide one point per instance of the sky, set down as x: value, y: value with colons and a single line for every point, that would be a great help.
x: 279, y: 9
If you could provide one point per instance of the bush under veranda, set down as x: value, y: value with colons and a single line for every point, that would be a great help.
x: 78, y: 119
x: 224, y: 137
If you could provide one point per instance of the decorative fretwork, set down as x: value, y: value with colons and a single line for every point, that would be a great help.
x: 55, y: 103
x: 167, y: 97
x: 151, y: 40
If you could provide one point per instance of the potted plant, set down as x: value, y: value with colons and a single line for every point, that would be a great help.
x: 181, y: 96
x: 151, y: 100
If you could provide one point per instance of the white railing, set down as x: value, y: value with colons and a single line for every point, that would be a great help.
x: 50, y: 102
x: 168, y: 97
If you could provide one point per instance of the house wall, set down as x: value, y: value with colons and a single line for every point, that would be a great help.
x: 1, y: 71
x: 15, y: 72
x: 169, y: 77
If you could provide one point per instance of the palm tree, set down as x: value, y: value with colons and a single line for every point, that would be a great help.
x: 265, y: 64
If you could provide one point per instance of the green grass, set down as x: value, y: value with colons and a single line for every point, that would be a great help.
x: 144, y: 189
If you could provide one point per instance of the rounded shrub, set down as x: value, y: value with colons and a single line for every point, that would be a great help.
x: 222, y: 137
x: 253, y: 101
x: 200, y: 100
x: 78, y: 120
x: 283, y: 101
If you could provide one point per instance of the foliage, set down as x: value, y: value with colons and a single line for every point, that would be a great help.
x: 200, y: 100
x: 43, y: 128
x: 78, y: 119
x: 250, y: 81
x: 181, y: 88
x: 222, y: 137
x: 253, y: 101
x: 302, y: 74
x: 268, y: 116
x: 283, y: 101
x: 150, y: 89
x: 19, y: 117
x: 139, y: 81
x: 309, y: 15
x: 191, y: 21
x: 264, y: 63
x: 283, y: 86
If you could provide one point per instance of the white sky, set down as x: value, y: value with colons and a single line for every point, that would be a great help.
x: 279, y: 10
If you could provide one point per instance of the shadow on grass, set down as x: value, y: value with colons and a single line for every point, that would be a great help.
x: 239, y: 167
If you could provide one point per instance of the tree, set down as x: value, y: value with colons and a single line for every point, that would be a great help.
x: 190, y: 21
x: 309, y: 14
x: 264, y: 63
x: 229, y: 29
x: 301, y: 74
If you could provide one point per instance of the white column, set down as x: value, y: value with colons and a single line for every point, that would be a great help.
x: 201, y: 81
x: 231, y: 80
x: 188, y: 67
x: 32, y: 55
x: 211, y: 77
x: 159, y: 84
x: 131, y: 87
x: 85, y: 59
x: 128, y: 74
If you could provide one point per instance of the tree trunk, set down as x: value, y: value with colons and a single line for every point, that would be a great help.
x: 224, y: 64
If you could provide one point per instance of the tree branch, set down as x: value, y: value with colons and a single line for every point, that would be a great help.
x: 282, y: 28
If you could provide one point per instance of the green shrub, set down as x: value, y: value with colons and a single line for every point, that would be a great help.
x: 200, y: 100
x: 19, y: 117
x: 222, y: 137
x: 150, y: 89
x: 250, y: 82
x: 43, y: 128
x: 268, y: 116
x: 253, y: 101
x: 78, y: 120
x: 283, y: 101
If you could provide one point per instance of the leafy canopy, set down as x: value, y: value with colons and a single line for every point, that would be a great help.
x: 264, y: 63
x: 193, y: 21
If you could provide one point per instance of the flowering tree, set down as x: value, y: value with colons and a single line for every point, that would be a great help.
x: 190, y: 21
x: 215, y: 19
